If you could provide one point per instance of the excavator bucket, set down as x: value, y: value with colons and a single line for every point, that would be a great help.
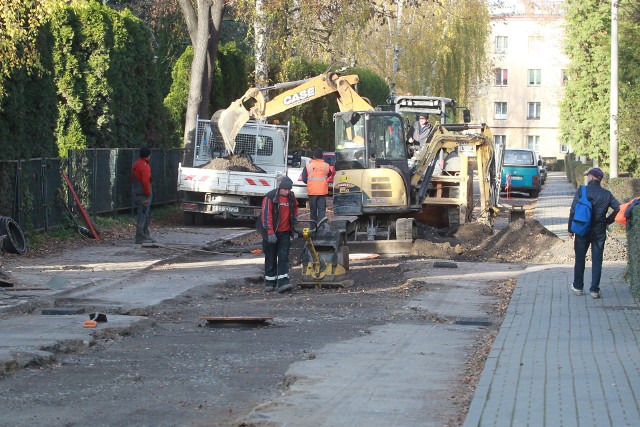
x: 231, y: 120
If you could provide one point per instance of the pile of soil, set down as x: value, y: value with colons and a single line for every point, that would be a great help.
x: 522, y: 241
x: 234, y: 162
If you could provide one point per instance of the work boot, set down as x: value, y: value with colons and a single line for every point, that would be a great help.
x: 284, y: 288
x: 269, y: 287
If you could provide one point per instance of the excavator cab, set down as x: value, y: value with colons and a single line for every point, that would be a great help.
x: 372, y: 173
x: 369, y: 140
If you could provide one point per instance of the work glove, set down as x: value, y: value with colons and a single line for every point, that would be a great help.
x: 272, y: 239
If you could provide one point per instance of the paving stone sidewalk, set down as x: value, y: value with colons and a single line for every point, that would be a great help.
x: 561, y: 359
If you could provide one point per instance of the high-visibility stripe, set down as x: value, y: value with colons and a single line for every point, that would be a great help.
x: 270, y: 278
x: 261, y: 181
x: 283, y: 276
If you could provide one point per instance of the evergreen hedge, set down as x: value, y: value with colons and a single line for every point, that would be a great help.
x: 633, y: 252
x: 98, y: 88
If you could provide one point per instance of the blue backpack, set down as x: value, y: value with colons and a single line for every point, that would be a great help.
x: 581, y: 224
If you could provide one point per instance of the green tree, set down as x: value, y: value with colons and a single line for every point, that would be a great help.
x: 629, y: 79
x: 229, y: 83
x: 21, y: 21
x: 584, y: 114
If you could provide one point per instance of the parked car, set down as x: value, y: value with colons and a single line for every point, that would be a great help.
x: 299, y: 187
x: 521, y: 170
x: 542, y: 166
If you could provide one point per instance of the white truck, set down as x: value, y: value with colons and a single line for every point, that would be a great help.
x: 229, y: 192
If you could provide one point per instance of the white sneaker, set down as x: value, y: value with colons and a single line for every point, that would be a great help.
x: 577, y: 291
x: 595, y: 295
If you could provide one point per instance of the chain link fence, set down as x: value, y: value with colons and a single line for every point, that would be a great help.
x: 35, y: 193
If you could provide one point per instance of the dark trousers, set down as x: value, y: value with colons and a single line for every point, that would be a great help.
x: 317, y: 207
x: 144, y: 218
x: 276, y: 260
x: 581, y: 245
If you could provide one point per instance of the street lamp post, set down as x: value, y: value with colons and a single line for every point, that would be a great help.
x: 613, y: 102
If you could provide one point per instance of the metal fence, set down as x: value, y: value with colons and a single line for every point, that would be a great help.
x: 34, y: 192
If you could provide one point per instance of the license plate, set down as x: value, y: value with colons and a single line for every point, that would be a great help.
x: 189, y: 207
x: 516, y: 178
x: 226, y: 208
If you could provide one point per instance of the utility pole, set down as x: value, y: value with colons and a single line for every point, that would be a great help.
x: 613, y: 102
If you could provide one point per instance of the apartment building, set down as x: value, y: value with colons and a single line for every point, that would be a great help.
x: 521, y: 101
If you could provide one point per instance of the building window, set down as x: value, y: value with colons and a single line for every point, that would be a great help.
x: 501, y: 76
x: 533, y: 111
x: 564, y: 148
x: 535, y: 77
x: 501, y: 44
x: 500, y: 140
x: 501, y: 111
x: 535, y: 44
x: 564, y: 77
x: 533, y: 143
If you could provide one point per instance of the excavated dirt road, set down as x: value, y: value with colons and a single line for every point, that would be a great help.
x: 398, y: 321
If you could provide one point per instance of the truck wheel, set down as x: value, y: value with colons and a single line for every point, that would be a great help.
x: 534, y: 193
x: 405, y: 229
x: 198, y: 219
x: 189, y: 218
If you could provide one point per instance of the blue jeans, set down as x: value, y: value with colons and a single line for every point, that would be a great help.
x: 581, y: 245
x: 276, y: 260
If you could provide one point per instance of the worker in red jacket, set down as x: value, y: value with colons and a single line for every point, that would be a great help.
x: 275, y: 224
x: 316, y: 174
x: 141, y: 182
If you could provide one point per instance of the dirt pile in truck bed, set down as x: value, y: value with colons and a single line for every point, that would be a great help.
x: 234, y: 162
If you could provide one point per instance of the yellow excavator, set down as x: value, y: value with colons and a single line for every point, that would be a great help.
x: 379, y: 191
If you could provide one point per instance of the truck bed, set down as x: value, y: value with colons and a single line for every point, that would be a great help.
x: 225, y: 182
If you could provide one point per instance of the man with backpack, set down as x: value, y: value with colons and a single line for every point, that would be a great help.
x: 589, y: 228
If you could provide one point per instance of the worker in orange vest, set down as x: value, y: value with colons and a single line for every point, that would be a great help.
x: 315, y: 175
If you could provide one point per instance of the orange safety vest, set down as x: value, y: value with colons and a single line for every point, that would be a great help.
x: 317, y: 173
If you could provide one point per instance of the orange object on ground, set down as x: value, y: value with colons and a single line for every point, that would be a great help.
x: 90, y: 323
x: 256, y: 251
x: 85, y: 217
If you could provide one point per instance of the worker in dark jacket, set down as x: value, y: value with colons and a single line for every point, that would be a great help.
x: 420, y: 130
x: 275, y: 224
x: 601, y: 200
x: 142, y: 193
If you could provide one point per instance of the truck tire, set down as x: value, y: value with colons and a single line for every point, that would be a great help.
x: 14, y: 241
x: 189, y: 218
x: 534, y: 193
x: 405, y: 229
x: 198, y: 219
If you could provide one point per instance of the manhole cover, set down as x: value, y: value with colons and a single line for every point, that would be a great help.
x: 236, y: 321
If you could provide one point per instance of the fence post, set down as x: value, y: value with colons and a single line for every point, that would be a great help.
x: 44, y: 193
x: 70, y: 176
x: 94, y: 183
x: 19, y: 216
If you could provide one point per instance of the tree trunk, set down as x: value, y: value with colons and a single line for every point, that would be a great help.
x: 198, y: 70
x: 260, y: 32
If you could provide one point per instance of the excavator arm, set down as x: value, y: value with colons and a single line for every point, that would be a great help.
x: 231, y: 120
x: 444, y: 139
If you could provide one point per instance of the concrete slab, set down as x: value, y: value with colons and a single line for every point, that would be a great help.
x: 34, y: 340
